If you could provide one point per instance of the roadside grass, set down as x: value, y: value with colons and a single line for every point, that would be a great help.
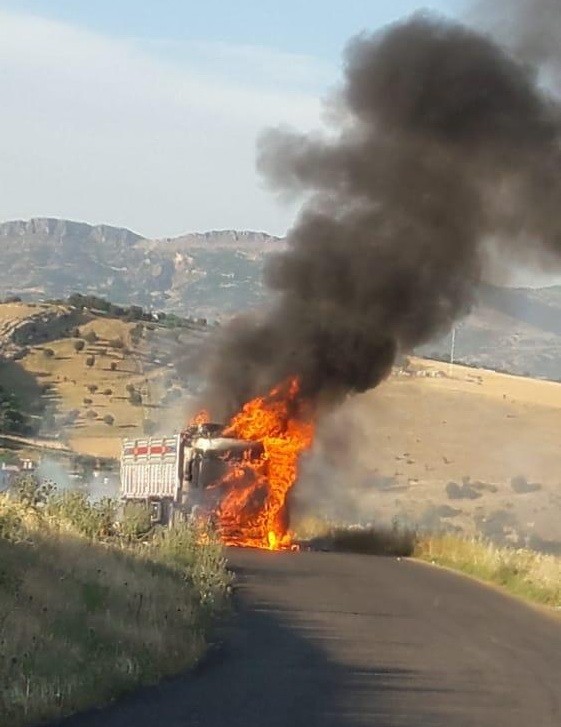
x: 523, y: 572
x: 88, y: 613
x: 526, y: 573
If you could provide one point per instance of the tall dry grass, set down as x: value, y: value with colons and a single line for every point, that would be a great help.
x: 83, y: 620
x: 524, y: 572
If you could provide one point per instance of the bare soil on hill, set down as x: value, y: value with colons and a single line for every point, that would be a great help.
x: 445, y: 448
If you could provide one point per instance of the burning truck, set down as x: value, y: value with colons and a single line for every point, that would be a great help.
x: 181, y: 474
x: 240, y: 475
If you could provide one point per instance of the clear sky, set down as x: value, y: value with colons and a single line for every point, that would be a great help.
x: 144, y: 113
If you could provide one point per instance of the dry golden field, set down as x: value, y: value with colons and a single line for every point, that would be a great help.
x: 394, y: 451
x: 454, y: 448
x: 93, y: 392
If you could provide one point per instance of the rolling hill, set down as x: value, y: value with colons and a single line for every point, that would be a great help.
x: 88, y: 378
x: 214, y: 275
x: 211, y: 275
x: 471, y: 451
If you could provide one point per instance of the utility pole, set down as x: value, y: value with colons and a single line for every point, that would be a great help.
x: 452, y: 351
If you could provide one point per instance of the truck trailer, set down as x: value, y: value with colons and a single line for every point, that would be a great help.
x: 176, y: 475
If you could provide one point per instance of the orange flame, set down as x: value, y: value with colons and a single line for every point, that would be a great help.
x: 202, y: 417
x: 253, y: 508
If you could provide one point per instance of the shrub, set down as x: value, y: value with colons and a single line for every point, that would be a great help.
x: 14, y: 421
x: 48, y: 352
x: 520, y: 485
x: 135, y: 398
x: 79, y: 345
x: 92, y: 519
x: 86, y: 621
x: 136, y: 521
x: 117, y: 342
x: 31, y: 492
x: 70, y: 417
x: 10, y: 524
x: 202, y: 568
x: 465, y: 491
x: 91, y: 337
x: 109, y: 419
x: 91, y: 414
x: 92, y: 388
x: 87, y: 402
x: 107, y: 392
x: 90, y: 361
x: 113, y: 366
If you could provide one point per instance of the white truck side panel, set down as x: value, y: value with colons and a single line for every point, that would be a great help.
x: 150, y: 467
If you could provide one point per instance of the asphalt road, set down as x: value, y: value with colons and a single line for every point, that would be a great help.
x: 339, y: 640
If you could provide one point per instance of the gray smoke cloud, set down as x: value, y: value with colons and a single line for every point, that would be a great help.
x: 531, y: 29
x: 446, y: 147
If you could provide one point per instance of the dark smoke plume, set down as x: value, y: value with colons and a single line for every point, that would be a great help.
x: 531, y: 29
x: 447, y: 147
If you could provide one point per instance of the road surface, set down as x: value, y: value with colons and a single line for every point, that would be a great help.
x: 348, y: 640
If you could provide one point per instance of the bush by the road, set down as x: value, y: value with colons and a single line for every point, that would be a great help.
x: 88, y: 610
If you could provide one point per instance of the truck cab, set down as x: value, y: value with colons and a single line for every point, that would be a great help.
x: 178, y: 473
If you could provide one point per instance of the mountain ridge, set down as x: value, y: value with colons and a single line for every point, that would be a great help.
x: 219, y: 273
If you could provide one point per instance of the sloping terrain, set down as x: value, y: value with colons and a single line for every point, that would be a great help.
x: 90, y: 379
x: 447, y: 449
x: 210, y: 275
x: 512, y: 330
x: 214, y: 275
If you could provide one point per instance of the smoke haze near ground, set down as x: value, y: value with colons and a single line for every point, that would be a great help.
x: 447, y: 147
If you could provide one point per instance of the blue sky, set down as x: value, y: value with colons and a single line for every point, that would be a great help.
x: 145, y: 114
x: 313, y: 27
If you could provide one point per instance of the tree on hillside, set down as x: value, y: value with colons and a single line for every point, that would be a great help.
x: 135, y: 398
x: 79, y: 345
x: 113, y: 366
x: 90, y: 361
x: 48, y: 353
x: 91, y: 337
x: 92, y: 388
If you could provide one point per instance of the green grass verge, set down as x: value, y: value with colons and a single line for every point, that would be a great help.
x: 86, y: 616
x: 523, y: 572
x: 526, y: 573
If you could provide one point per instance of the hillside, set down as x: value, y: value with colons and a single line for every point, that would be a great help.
x: 216, y: 274
x: 445, y: 448
x: 512, y: 330
x: 467, y: 450
x: 90, y: 379
x: 211, y: 274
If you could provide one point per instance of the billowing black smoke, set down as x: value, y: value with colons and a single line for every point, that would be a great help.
x: 446, y: 148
